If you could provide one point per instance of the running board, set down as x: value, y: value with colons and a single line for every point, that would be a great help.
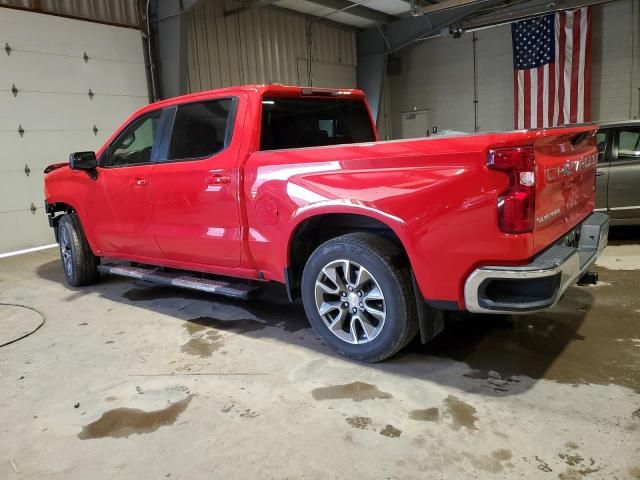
x: 180, y: 279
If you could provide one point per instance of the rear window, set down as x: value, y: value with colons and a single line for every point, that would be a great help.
x: 310, y: 122
x: 201, y: 129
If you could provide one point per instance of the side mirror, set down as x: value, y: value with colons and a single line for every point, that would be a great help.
x: 83, y: 161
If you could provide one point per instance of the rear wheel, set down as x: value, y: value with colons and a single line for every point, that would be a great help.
x: 79, y: 264
x: 358, y: 296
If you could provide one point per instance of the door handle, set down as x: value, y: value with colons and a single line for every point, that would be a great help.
x: 138, y: 182
x: 218, y: 179
x: 599, y: 173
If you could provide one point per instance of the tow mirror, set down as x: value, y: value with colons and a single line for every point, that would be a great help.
x: 83, y: 161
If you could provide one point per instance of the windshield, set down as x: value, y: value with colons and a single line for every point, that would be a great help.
x: 313, y: 122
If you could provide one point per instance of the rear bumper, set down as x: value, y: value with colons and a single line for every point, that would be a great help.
x: 541, y: 283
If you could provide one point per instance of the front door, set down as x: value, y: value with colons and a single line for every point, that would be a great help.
x: 194, y: 185
x: 624, y: 175
x: 119, y: 201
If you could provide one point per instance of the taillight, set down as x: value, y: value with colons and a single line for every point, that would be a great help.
x: 516, y: 207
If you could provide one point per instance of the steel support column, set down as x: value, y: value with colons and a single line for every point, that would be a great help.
x: 168, y: 39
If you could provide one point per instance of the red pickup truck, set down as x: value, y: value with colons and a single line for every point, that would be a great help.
x: 222, y: 190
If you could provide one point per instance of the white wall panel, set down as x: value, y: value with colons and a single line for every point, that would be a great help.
x: 262, y: 45
x: 53, y: 106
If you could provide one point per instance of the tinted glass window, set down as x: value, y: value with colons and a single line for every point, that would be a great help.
x: 201, y: 129
x: 601, y: 141
x: 629, y: 143
x: 134, y: 145
x: 310, y: 122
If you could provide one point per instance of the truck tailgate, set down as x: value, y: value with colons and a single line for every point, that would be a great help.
x: 565, y: 183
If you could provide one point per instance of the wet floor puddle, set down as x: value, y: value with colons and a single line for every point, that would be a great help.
x: 122, y: 422
x: 462, y: 414
x: 592, y: 336
x: 271, y: 308
x: 356, y: 391
x: 390, y: 431
x: 203, y: 342
x: 426, y: 415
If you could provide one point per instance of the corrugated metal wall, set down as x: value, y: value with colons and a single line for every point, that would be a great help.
x: 262, y: 45
x: 123, y: 12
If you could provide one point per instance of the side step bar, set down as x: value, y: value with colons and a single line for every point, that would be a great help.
x: 182, y: 280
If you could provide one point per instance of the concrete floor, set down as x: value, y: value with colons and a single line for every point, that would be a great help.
x: 131, y: 381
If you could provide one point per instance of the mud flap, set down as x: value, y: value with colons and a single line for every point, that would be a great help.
x: 430, y: 320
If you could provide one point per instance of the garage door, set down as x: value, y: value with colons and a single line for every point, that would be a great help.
x: 65, y: 85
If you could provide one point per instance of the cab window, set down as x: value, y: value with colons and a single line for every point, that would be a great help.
x: 134, y: 145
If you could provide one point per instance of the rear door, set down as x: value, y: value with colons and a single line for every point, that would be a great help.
x: 195, y: 183
x: 624, y: 175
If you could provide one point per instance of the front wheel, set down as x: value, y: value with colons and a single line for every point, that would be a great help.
x: 357, y: 294
x: 79, y: 263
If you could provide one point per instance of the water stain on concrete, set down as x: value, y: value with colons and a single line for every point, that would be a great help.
x: 426, y: 415
x: 462, y: 414
x: 502, y: 454
x: 244, y: 325
x: 111, y: 398
x: 356, y: 391
x: 361, y: 423
x: 270, y: 308
x: 122, y: 422
x: 390, y: 431
x: 485, y: 462
x: 542, y: 465
x: 203, y: 341
x: 585, y: 339
x: 635, y: 472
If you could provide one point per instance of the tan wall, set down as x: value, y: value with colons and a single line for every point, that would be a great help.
x: 262, y: 45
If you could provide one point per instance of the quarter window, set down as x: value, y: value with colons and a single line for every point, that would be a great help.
x: 201, y: 129
x: 134, y: 145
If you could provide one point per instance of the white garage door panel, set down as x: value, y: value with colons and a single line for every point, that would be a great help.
x: 15, y: 154
x: 53, y: 106
x: 69, y: 37
x: 41, y: 72
x: 15, y: 223
x: 20, y: 191
x: 37, y: 111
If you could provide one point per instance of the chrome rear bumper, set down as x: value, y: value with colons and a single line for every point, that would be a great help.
x: 541, y: 283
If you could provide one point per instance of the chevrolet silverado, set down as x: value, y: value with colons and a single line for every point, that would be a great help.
x: 221, y: 190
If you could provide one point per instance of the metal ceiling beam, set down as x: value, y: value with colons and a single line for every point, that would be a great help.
x: 355, y: 9
x: 522, y: 11
x: 249, y: 6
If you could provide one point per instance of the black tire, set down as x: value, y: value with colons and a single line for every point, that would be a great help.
x: 81, y: 265
x: 388, y: 265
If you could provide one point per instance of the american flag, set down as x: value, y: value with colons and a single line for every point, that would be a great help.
x: 552, y: 69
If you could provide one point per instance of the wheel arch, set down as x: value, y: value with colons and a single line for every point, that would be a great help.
x: 316, y: 228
